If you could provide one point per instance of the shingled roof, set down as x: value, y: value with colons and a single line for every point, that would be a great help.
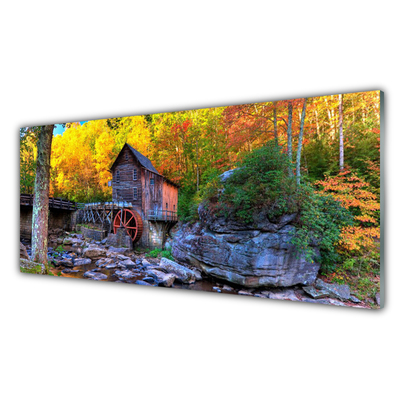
x: 146, y: 163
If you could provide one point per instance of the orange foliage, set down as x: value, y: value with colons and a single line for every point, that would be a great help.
x: 354, y: 195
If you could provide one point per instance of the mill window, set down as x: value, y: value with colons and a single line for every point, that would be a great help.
x: 134, y: 174
x: 117, y: 177
x: 135, y: 193
x: 151, y: 181
x: 126, y: 156
x: 166, y: 206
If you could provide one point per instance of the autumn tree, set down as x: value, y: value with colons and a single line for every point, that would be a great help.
x: 355, y: 195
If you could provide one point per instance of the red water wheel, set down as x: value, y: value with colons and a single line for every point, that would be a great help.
x: 131, y: 221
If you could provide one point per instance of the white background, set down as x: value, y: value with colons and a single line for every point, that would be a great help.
x: 76, y: 60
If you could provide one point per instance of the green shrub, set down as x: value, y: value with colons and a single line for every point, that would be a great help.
x: 154, y: 253
x: 159, y: 252
x: 320, y: 221
x: 261, y: 181
x: 167, y: 254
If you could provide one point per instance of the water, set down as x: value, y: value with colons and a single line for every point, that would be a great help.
x: 206, y: 284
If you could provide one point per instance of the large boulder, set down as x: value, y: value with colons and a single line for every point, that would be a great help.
x: 259, y: 254
x: 162, y: 279
x: 94, y: 251
x: 183, y: 274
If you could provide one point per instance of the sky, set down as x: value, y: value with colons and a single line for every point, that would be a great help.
x: 59, y: 129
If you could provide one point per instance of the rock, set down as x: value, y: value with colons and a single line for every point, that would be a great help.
x: 145, y: 263
x: 341, y: 292
x: 104, y: 241
x: 354, y: 299
x: 127, y: 263
x: 111, y: 266
x: 31, y: 267
x: 59, y: 240
x: 122, y: 257
x: 124, y: 274
x: 82, y: 261
x: 119, y: 250
x: 143, y: 283
x: 252, y: 256
x: 197, y: 274
x: 227, y: 174
x: 183, y: 274
x: 227, y: 288
x: 378, y: 299
x: 162, y: 279
x: 93, y: 251
x: 67, y: 241
x: 335, y: 302
x: 315, y: 293
x: 245, y: 293
x: 217, y: 289
x: 263, y: 296
x: 103, y: 262
x: 66, y: 262
x: 69, y: 271
x: 283, y: 294
x: 96, y: 276
x: 149, y: 279
x: 22, y: 252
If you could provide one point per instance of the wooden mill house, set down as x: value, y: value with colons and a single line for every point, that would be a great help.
x: 144, y: 203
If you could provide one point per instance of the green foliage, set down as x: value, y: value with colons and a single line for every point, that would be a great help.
x: 167, y: 254
x: 261, y: 181
x: 60, y: 248
x: 321, y: 219
x: 159, y: 252
x: 190, y: 199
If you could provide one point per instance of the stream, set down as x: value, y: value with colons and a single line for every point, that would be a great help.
x: 140, y: 276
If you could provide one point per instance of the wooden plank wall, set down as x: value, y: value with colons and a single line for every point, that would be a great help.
x: 170, y: 196
x: 123, y: 190
x: 152, y: 193
x: 150, y: 196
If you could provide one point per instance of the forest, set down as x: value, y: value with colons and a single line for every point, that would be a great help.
x: 329, y: 146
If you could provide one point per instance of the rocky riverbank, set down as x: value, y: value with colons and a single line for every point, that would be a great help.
x: 74, y: 256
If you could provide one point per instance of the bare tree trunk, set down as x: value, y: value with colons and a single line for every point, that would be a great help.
x: 197, y: 163
x: 317, y: 121
x: 40, y: 213
x: 275, y: 125
x: 341, y: 146
x: 330, y: 118
x: 289, y: 137
x: 303, y: 117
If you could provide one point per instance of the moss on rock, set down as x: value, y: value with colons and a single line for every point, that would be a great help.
x: 30, y: 267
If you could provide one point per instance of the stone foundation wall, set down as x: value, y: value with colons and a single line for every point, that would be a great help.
x: 154, y: 235
x: 120, y: 239
x: 94, y: 234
